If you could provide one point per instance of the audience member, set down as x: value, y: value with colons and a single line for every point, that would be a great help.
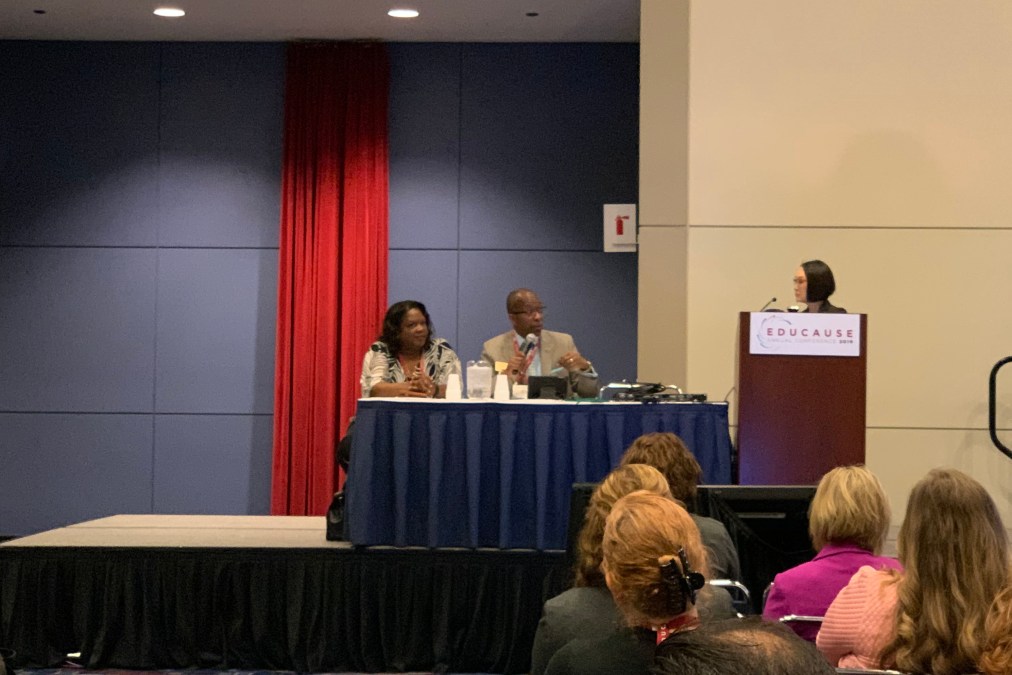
x: 654, y: 563
x: 545, y: 353
x: 930, y: 618
x: 848, y: 521
x: 997, y: 656
x: 406, y: 359
x: 668, y: 454
x: 588, y: 608
x: 739, y: 647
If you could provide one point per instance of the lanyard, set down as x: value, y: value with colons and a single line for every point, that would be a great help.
x: 679, y: 623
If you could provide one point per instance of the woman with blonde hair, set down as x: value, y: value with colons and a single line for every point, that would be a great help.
x: 588, y: 608
x: 932, y: 617
x: 997, y: 656
x: 848, y: 521
x: 654, y: 564
x: 617, y: 484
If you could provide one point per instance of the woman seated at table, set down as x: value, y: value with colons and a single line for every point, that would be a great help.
x: 652, y: 561
x: 406, y: 360
x: 848, y: 522
x: 932, y: 617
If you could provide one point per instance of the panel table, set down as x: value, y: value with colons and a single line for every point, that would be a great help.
x: 496, y: 474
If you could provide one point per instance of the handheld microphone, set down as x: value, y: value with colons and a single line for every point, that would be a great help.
x: 772, y: 300
x: 529, y: 343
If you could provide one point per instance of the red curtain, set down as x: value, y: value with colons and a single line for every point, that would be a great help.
x: 332, y: 279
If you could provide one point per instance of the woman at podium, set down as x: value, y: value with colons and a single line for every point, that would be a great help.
x: 813, y: 284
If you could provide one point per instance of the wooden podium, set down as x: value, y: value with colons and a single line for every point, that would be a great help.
x: 798, y: 415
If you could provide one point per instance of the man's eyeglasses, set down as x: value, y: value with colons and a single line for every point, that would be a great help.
x: 532, y: 311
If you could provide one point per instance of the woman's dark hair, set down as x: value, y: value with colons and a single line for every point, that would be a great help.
x: 739, y: 647
x: 391, y: 334
x: 821, y: 283
x: 667, y: 453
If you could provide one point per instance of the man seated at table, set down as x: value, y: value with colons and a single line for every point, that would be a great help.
x: 529, y: 350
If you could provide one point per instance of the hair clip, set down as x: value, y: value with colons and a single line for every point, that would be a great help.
x: 672, y: 578
x: 682, y: 583
x: 669, y: 572
x: 690, y: 581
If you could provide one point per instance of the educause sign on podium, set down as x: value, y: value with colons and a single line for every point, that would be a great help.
x: 802, y: 385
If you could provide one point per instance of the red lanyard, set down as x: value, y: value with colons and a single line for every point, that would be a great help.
x: 679, y: 623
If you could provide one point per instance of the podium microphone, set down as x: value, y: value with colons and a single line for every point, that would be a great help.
x: 772, y: 300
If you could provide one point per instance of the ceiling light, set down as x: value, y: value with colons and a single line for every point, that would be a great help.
x: 173, y: 12
x: 403, y: 13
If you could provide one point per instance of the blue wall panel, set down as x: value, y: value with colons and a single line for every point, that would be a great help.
x: 62, y: 469
x: 213, y: 464
x: 217, y: 311
x: 430, y: 277
x: 78, y: 143
x: 424, y: 145
x: 221, y: 140
x: 107, y: 152
x: 545, y: 142
x: 77, y: 329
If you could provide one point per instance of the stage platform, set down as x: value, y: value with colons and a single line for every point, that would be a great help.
x: 152, y: 592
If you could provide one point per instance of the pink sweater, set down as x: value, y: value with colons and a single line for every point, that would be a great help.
x: 861, y: 621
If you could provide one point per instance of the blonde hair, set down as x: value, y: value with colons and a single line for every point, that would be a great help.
x: 616, y: 485
x: 849, y: 506
x: 643, y: 532
x: 997, y: 657
x: 667, y: 453
x: 954, y: 549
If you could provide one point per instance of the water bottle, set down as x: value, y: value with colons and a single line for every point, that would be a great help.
x: 479, y: 379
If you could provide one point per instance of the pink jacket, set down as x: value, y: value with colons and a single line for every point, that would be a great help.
x: 809, y: 588
x: 861, y: 622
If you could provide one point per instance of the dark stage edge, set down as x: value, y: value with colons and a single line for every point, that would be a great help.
x: 76, y: 670
x: 152, y: 592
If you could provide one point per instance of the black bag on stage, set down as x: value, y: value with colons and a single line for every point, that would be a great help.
x: 335, y: 518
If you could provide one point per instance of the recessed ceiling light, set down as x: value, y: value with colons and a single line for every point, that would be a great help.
x: 403, y: 13
x: 532, y: 14
x: 173, y: 12
x: 39, y: 11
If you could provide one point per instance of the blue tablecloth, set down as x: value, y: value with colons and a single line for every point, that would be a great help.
x: 484, y: 474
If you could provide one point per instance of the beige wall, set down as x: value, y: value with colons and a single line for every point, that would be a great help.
x: 876, y: 135
x: 663, y: 191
